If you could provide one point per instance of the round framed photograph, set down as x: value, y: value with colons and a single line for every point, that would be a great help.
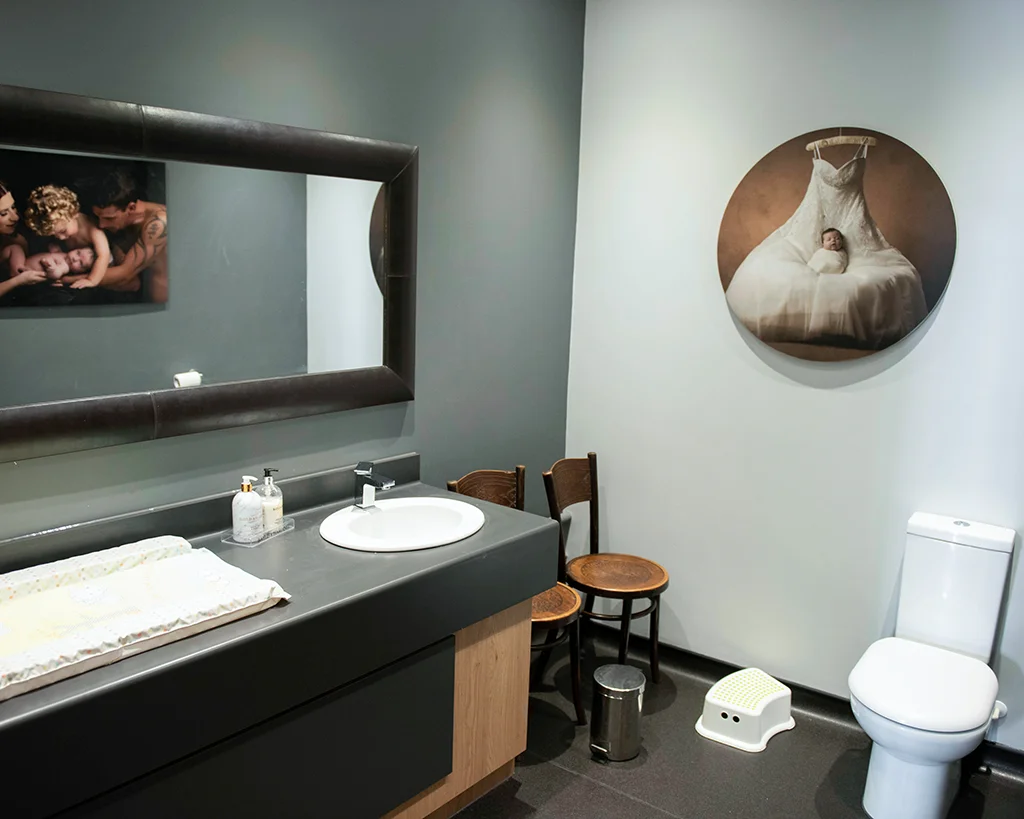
x: 836, y: 244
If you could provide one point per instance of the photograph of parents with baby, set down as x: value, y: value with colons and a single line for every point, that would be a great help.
x: 836, y: 244
x: 79, y: 231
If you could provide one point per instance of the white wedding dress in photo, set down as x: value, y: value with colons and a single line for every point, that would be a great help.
x: 877, y: 301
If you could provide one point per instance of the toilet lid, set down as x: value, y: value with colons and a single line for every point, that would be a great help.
x: 924, y: 687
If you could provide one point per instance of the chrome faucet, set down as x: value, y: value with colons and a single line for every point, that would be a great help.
x: 368, y: 481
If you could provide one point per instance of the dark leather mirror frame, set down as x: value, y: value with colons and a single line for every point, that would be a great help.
x: 45, y: 119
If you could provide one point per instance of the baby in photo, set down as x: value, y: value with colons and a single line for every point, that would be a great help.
x: 53, y: 210
x: 57, y: 264
x: 831, y: 256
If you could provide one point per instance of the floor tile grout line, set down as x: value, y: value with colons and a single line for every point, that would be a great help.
x: 603, y: 785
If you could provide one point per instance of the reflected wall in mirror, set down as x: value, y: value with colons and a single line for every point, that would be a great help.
x: 344, y: 274
x: 275, y: 274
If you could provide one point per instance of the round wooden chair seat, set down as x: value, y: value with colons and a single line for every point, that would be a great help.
x: 556, y: 607
x: 619, y: 576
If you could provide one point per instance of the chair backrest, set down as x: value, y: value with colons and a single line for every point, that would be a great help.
x: 569, y: 481
x: 506, y: 488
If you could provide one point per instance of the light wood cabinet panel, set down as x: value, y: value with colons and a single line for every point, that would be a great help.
x: 492, y: 680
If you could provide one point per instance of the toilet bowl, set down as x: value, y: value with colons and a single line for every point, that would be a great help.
x: 912, y: 774
x: 925, y: 708
x: 926, y: 697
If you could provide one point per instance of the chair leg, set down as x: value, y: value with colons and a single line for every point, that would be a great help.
x: 655, y: 617
x: 585, y: 630
x: 627, y: 611
x: 542, y: 660
x: 574, y: 666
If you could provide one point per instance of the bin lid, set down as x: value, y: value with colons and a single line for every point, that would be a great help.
x: 622, y: 678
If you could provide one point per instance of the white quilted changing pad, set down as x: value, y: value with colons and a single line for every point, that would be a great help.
x: 67, y: 617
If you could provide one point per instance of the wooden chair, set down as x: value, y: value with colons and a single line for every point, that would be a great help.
x: 619, y: 576
x: 556, y: 609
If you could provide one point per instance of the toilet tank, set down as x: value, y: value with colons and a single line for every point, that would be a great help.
x: 954, y: 575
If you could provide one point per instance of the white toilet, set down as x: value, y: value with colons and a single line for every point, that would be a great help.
x: 926, y: 696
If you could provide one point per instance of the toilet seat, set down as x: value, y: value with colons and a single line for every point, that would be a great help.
x: 924, y: 687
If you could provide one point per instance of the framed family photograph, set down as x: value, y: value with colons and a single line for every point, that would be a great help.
x: 78, y: 230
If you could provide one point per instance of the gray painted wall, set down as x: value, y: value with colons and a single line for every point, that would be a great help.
x: 491, y: 94
x: 237, y: 267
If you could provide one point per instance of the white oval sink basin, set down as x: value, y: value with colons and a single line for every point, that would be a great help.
x: 402, y: 524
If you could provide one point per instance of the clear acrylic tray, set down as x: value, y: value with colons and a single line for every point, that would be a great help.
x: 227, y: 535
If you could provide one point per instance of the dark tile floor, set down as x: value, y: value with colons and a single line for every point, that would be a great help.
x: 815, y: 770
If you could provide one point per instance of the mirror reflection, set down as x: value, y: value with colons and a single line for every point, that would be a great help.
x: 267, y: 274
x: 81, y: 230
x: 344, y: 274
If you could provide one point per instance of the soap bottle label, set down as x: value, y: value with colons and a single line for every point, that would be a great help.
x: 249, y: 527
x: 273, y: 514
x: 247, y: 515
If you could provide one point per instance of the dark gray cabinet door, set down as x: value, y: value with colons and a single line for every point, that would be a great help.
x: 353, y: 753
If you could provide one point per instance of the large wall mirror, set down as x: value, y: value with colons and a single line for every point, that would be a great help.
x: 164, y: 272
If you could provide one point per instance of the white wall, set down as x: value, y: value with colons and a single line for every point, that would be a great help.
x: 344, y: 305
x: 775, y: 491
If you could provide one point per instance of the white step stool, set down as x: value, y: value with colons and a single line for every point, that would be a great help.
x: 746, y: 709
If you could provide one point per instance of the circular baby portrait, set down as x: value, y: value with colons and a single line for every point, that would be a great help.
x: 836, y: 244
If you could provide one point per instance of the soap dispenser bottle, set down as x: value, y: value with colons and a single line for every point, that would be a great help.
x: 247, y: 513
x: 273, y: 503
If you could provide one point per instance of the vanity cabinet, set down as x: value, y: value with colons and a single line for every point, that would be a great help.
x: 492, y: 681
x: 445, y: 724
x: 387, y: 686
x: 349, y: 753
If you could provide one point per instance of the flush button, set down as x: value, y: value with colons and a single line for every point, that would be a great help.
x: 961, y: 523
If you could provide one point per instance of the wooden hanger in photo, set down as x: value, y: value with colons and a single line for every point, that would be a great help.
x: 851, y: 139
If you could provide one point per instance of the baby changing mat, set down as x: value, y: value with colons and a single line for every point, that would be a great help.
x: 67, y: 617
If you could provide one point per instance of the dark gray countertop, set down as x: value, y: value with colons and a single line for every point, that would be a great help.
x: 350, y: 614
